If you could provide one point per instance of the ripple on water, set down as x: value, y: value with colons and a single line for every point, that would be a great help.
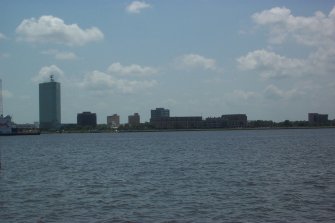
x: 229, y: 176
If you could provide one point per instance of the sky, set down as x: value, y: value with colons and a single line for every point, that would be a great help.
x: 271, y: 60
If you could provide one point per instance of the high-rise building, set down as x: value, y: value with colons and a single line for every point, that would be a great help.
x: 317, y: 119
x: 113, y: 121
x: 87, y: 119
x: 50, y: 104
x: 160, y: 113
x: 134, y: 120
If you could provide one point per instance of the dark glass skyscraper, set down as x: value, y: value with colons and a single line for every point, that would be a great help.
x: 50, y: 107
x: 160, y: 113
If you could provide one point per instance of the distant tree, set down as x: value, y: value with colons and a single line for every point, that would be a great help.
x: 287, y: 123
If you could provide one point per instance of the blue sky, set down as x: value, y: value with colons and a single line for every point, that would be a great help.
x: 272, y: 60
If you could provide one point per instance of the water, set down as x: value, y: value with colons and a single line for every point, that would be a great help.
x: 223, y: 176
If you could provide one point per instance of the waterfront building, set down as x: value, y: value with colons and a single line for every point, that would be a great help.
x: 227, y: 121
x: 50, y: 105
x: 87, y: 119
x: 134, y: 120
x: 160, y: 112
x: 235, y: 120
x: 214, y: 122
x: 317, y: 119
x: 113, y: 121
x: 190, y: 122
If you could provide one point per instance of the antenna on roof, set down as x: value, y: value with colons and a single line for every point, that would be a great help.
x: 52, y: 78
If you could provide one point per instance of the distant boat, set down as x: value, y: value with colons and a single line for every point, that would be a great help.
x: 8, y: 128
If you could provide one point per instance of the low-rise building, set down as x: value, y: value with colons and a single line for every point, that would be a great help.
x: 190, y: 122
x: 227, y: 121
x: 235, y: 120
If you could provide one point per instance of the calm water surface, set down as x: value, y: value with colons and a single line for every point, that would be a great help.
x: 223, y: 176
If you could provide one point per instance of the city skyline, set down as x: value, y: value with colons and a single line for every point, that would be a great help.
x: 272, y: 60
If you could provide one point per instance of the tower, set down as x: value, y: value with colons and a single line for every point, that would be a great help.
x: 50, y: 105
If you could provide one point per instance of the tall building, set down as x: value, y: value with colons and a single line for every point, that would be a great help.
x: 50, y: 104
x: 317, y: 119
x: 87, y: 119
x: 159, y: 113
x: 134, y: 120
x: 113, y: 121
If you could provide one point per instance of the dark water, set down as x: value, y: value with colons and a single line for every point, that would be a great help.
x: 227, y: 176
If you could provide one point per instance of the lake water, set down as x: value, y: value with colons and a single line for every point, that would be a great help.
x: 214, y: 176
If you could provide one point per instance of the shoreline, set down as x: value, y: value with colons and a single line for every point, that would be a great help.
x: 224, y: 129
x: 188, y: 130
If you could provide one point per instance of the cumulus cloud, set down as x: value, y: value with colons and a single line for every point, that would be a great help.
x: 322, y: 61
x: 274, y: 66
x: 131, y: 70
x: 45, y: 73
x: 315, y: 30
x: 50, y: 29
x: 195, y: 61
x: 274, y: 93
x: 119, y: 79
x: 100, y: 81
x: 137, y: 6
x: 271, y: 65
x: 61, y: 55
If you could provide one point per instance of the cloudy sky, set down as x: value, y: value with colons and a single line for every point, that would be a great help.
x: 273, y: 60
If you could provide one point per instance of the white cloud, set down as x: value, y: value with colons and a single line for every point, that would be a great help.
x: 45, y: 72
x: 131, y: 70
x: 137, y: 6
x: 50, y: 29
x: 119, y: 79
x: 322, y: 61
x: 271, y: 65
x: 61, y: 55
x: 274, y: 93
x: 100, y: 81
x: 317, y: 30
x: 195, y: 61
